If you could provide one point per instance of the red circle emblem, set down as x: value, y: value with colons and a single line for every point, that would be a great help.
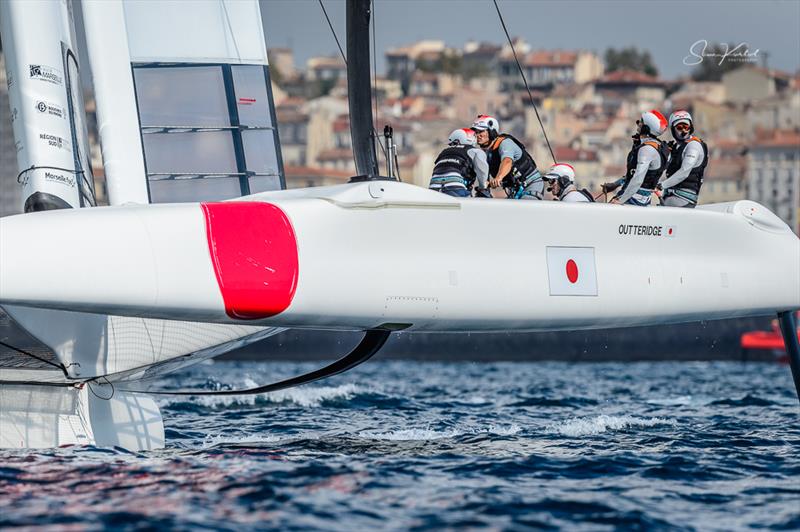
x: 670, y: 230
x: 572, y: 271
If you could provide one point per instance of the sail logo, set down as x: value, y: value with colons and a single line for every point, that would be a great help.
x: 59, y: 178
x: 50, y: 109
x: 46, y: 73
x: 571, y: 271
x: 55, y: 141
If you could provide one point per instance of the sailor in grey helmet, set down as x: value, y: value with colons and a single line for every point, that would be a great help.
x: 510, y: 164
x: 561, y: 178
x: 459, y: 165
x: 687, y: 163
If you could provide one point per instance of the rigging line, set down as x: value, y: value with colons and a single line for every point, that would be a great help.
x: 521, y: 73
x: 330, y: 25
x: 40, y: 359
x: 344, y: 58
x: 375, y: 83
x: 230, y: 27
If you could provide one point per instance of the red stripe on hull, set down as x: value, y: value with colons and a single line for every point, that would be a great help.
x: 254, y: 252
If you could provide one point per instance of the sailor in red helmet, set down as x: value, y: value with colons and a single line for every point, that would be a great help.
x: 561, y: 178
x: 687, y: 163
x: 510, y: 164
x: 459, y: 165
x: 647, y: 160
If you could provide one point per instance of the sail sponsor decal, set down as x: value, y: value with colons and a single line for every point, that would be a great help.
x: 46, y: 73
x: 254, y: 254
x: 571, y: 271
x: 54, y: 141
x: 50, y: 109
x: 247, y: 101
x: 60, y: 178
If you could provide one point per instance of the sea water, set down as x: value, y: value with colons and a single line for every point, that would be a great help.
x: 399, y: 445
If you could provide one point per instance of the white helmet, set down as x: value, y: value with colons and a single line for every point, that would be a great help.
x: 486, y: 122
x: 653, y: 123
x: 464, y: 137
x: 562, y: 173
x: 681, y: 117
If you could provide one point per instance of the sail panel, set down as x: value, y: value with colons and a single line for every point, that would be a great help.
x: 183, y: 31
x: 205, y: 119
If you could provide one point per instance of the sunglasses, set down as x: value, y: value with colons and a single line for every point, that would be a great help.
x: 682, y: 127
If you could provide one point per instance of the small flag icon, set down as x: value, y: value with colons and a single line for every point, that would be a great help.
x: 571, y: 271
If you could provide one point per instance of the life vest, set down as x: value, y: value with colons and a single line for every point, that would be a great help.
x: 583, y: 192
x: 694, y: 180
x: 587, y: 194
x: 456, y: 160
x: 520, y: 169
x: 652, y: 176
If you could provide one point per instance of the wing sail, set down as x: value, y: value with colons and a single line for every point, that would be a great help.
x: 192, y: 117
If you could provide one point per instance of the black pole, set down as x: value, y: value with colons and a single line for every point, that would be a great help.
x: 359, y: 89
x: 789, y: 330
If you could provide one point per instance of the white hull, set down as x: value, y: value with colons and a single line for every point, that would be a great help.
x: 407, y: 256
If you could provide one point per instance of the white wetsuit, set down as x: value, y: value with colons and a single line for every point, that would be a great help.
x: 647, y: 158
x: 693, y: 157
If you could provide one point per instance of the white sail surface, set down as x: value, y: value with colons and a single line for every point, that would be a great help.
x: 183, y: 97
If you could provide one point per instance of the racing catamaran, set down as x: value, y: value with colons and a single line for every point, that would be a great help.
x: 153, y: 282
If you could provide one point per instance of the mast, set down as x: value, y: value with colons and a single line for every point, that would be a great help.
x: 359, y: 90
x: 47, y: 111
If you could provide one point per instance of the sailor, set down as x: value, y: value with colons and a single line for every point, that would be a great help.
x: 459, y: 165
x: 688, y: 161
x: 510, y: 164
x: 646, y: 162
x: 561, y: 178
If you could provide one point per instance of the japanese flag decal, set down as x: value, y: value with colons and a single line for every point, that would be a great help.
x: 571, y: 271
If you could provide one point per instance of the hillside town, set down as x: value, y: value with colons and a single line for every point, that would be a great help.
x: 749, y: 117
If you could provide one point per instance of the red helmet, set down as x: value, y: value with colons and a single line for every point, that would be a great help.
x: 465, y: 137
x: 653, y: 123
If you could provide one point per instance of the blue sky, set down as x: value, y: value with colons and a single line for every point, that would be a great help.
x: 668, y: 28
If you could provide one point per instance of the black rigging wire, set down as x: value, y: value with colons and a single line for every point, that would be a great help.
x: 521, y: 73
x: 40, y: 359
x: 375, y: 82
x: 344, y: 58
x: 325, y: 12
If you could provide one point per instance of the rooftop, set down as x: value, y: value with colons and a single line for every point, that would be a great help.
x: 629, y: 77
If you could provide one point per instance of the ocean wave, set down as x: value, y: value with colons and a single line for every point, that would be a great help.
x: 309, y: 397
x: 597, y: 425
x: 212, y: 440
x: 427, y: 434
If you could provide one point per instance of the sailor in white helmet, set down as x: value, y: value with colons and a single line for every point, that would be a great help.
x: 510, y: 164
x: 561, y: 178
x: 646, y: 162
x: 687, y: 163
x: 459, y: 165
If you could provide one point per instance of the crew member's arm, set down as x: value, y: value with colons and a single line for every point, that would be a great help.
x: 647, y: 156
x: 505, y: 168
x: 509, y: 152
x: 692, y: 158
x: 481, y: 166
